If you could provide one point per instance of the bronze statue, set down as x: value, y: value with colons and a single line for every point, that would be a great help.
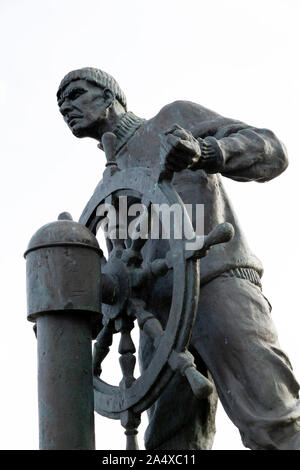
x: 234, y: 341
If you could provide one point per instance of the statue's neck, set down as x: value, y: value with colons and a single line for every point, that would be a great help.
x: 126, y: 126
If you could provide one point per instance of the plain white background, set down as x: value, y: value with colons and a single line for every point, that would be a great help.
x: 239, y: 58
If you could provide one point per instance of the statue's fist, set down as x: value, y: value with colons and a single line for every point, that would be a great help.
x: 180, y: 149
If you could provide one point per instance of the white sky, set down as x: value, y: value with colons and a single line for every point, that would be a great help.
x: 239, y: 58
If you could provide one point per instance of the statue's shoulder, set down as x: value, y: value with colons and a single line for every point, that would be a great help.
x: 196, y: 118
x: 184, y: 112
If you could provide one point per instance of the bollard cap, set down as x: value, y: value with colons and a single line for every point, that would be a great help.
x: 63, y: 270
x: 63, y: 232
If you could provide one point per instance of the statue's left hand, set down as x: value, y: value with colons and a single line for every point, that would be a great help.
x: 180, y: 149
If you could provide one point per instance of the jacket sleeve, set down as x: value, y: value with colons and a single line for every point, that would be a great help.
x: 251, y: 154
x: 246, y: 153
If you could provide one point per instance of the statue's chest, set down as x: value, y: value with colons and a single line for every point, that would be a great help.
x: 141, y: 152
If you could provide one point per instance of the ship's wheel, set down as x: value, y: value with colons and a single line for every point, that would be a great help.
x: 124, y: 274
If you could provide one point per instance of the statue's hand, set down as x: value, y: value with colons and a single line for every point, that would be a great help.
x: 212, y: 156
x: 180, y: 149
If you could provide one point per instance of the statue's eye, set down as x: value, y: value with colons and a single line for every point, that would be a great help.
x: 75, y: 94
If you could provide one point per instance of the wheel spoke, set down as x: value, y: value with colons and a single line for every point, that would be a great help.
x: 129, y: 420
x: 147, y: 322
x: 132, y: 256
x: 126, y: 349
x: 101, y: 347
x: 157, y: 268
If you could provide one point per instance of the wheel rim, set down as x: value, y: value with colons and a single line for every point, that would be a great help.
x: 111, y: 400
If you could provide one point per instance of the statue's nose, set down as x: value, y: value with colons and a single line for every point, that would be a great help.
x: 65, y: 107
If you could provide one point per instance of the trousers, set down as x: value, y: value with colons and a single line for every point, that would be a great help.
x: 235, y: 343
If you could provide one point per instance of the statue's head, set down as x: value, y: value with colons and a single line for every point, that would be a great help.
x: 85, y: 98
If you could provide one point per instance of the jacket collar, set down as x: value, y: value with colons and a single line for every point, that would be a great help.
x: 126, y: 127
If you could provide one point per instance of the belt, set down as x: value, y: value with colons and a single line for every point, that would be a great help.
x: 244, y: 273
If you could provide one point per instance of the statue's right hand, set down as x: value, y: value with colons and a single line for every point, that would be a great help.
x: 180, y: 149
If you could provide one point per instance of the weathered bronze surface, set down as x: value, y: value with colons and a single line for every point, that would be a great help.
x: 64, y: 298
x: 65, y: 390
x: 63, y: 270
x: 192, y: 349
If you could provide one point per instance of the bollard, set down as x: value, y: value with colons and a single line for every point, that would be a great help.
x: 63, y: 267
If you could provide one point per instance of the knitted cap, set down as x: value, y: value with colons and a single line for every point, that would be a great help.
x: 97, y: 77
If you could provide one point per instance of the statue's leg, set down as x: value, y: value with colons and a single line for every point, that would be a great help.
x: 235, y: 335
x: 177, y: 420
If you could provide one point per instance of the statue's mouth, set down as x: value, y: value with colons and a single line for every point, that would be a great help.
x: 73, y: 120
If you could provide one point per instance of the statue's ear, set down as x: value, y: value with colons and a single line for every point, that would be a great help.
x: 108, y: 96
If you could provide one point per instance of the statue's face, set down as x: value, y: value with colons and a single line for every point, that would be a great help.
x: 84, y: 108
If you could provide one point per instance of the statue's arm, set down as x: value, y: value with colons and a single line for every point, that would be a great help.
x: 202, y: 139
x: 250, y: 154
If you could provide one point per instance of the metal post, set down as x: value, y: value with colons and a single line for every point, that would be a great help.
x: 63, y: 264
x: 65, y: 381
